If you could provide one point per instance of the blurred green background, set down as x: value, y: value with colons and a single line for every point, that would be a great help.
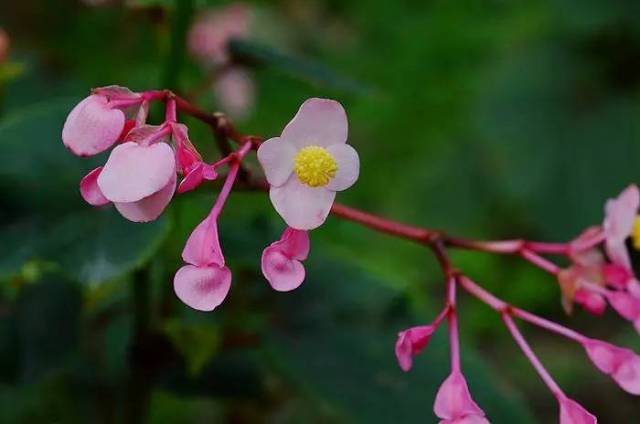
x: 490, y: 119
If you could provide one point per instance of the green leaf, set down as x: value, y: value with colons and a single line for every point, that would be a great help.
x: 255, y: 53
x: 198, y: 342
x: 43, y: 215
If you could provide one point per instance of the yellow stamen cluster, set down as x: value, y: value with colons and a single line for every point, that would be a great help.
x: 315, y: 166
x: 635, y: 233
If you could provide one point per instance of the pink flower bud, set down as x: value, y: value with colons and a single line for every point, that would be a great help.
x: 623, y: 365
x: 454, y: 404
x: 590, y: 301
x: 203, y: 246
x: 411, y: 342
x: 281, y: 261
x: 572, y: 413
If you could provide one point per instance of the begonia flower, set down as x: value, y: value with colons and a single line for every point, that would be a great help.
x: 309, y: 163
x: 139, y: 177
x: 411, y: 342
x: 572, y: 412
x: 282, y: 260
x: 99, y: 120
x: 623, y: 365
x: 454, y: 405
x: 204, y: 283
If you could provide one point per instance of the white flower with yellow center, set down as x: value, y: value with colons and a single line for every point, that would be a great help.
x: 309, y: 163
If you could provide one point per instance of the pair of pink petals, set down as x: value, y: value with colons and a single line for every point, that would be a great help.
x: 138, y: 178
x: 622, y: 365
x: 281, y: 261
x: 454, y: 405
x: 204, y: 283
x: 411, y: 342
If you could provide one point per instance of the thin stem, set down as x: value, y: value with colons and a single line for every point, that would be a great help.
x: 170, y: 110
x: 486, y: 297
x: 454, y: 337
x: 531, y: 356
x: 228, y: 183
x: 540, y: 262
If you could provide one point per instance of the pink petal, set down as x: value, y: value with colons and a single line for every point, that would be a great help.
x: 202, y: 288
x: 572, y: 413
x: 186, y: 154
x: 149, y: 208
x: 411, y: 342
x: 302, y: 207
x: 144, y: 134
x: 89, y: 189
x: 453, y: 400
x: 282, y: 272
x: 626, y: 305
x: 319, y: 122
x: 92, y: 126
x: 203, y: 246
x: 192, y: 180
x: 276, y: 158
x: 348, y: 166
x: 618, y: 224
x: 590, y: 301
x: 617, y: 275
x: 469, y: 419
x: 116, y: 92
x: 628, y: 374
x: 134, y: 172
x: 294, y: 243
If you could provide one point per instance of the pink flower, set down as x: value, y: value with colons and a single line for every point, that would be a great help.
x: 454, y: 405
x: 627, y: 305
x: 139, y: 177
x: 188, y: 161
x: 235, y: 92
x: 309, y: 162
x: 411, y: 342
x: 205, y: 282
x: 98, y: 121
x: 212, y: 31
x: 5, y: 45
x: 623, y: 365
x: 281, y: 261
x: 572, y: 413
x: 620, y: 215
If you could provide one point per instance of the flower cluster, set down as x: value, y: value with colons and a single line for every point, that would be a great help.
x: 305, y: 166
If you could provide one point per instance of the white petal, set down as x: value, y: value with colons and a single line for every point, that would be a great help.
x: 348, y: 166
x: 302, y: 207
x: 319, y: 122
x: 276, y: 157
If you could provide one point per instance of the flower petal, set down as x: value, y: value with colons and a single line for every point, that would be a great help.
x: 294, y: 243
x: 276, y: 158
x: 319, y: 122
x: 92, y: 126
x: 202, y: 288
x: 203, y: 246
x: 453, y: 400
x: 572, y: 413
x: 348, y: 166
x: 192, y: 180
x: 134, y: 172
x: 618, y: 224
x: 411, y: 342
x: 282, y: 272
x: 302, y: 207
x: 149, y: 208
x: 90, y: 191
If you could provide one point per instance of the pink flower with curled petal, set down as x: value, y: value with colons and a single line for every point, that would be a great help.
x: 572, y: 413
x: 454, y: 405
x: 309, y: 163
x: 623, y: 365
x: 411, y: 342
x: 204, y: 283
x: 98, y: 121
x: 282, y: 260
x: 139, y: 177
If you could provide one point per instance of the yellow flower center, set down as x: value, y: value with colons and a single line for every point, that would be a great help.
x: 315, y: 166
x: 635, y: 233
